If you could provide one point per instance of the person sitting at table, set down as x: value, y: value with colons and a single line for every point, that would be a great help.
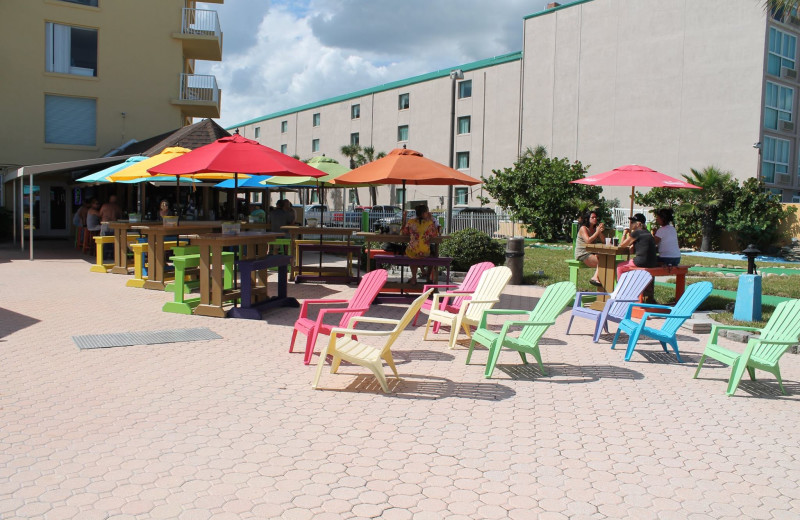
x: 281, y: 215
x: 642, y: 244
x: 93, y: 219
x: 666, y: 237
x: 163, y: 209
x: 256, y: 213
x: 420, y: 230
x: 110, y: 211
x: 591, y: 231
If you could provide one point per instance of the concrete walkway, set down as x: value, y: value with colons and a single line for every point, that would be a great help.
x: 231, y: 429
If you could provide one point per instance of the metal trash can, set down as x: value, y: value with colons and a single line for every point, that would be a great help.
x: 515, y: 257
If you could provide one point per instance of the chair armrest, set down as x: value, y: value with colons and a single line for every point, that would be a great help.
x: 436, y: 286
x: 647, y: 315
x: 651, y: 305
x: 324, y: 312
x: 369, y: 319
x: 508, y: 324
x: 510, y: 312
x: 589, y: 293
x: 360, y: 332
x: 716, y: 327
x: 306, y: 303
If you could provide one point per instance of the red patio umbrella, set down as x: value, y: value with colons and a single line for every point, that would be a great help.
x: 634, y: 175
x: 235, y: 154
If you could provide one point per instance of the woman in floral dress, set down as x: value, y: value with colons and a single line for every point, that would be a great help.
x: 420, y: 230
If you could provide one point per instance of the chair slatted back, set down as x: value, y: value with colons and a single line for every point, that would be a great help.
x: 630, y: 286
x: 369, y: 287
x: 694, y: 296
x: 412, y: 310
x: 783, y: 325
x: 549, y: 306
x: 470, y: 282
x: 490, y: 286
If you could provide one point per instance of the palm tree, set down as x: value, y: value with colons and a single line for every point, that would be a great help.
x: 782, y: 6
x: 351, y: 151
x: 707, y: 202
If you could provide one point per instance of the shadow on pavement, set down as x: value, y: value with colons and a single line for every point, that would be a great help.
x: 566, y: 374
x: 425, y: 387
x: 11, y: 322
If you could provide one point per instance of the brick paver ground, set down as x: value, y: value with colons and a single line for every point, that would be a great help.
x: 231, y: 429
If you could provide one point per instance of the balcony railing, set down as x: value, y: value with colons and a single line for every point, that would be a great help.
x: 201, y: 22
x: 199, y: 87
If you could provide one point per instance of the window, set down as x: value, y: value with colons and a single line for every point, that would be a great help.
x: 283, y: 148
x: 774, y: 158
x: 782, y: 50
x: 778, y: 105
x: 464, y: 124
x: 465, y: 89
x: 354, y: 139
x: 355, y: 111
x: 70, y: 50
x: 315, y: 145
x: 315, y: 119
x: 70, y: 120
x: 402, y: 133
x: 284, y: 126
x: 91, y: 3
x: 400, y: 196
x: 461, y: 195
x: 258, y: 132
x: 462, y: 160
x: 402, y: 102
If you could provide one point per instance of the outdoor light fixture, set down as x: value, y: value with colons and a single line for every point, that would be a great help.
x: 757, y: 145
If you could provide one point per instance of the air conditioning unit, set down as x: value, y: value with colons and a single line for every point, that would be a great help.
x: 794, y: 20
x: 783, y: 178
x: 787, y: 73
x: 787, y: 126
x: 796, y: 199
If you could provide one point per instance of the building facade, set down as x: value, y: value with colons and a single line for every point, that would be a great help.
x: 81, y: 78
x: 669, y: 84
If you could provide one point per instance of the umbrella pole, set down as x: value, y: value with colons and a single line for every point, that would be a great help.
x: 632, y: 188
x: 402, y: 207
x: 178, y: 197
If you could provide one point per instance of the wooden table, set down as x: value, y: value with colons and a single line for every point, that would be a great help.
x: 252, y: 245
x: 155, y: 246
x: 121, y: 229
x: 402, y: 261
x: 396, y: 239
x: 606, y: 268
x: 328, y: 274
x: 295, y: 232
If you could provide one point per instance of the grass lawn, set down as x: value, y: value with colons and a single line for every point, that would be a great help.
x: 545, y: 265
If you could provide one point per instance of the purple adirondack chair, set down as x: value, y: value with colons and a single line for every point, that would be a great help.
x: 467, y: 287
x: 365, y: 294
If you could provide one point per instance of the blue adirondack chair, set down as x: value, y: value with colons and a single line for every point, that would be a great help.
x: 630, y: 286
x: 695, y: 294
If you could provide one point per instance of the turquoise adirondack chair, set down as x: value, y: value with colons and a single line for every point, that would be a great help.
x: 629, y: 287
x: 547, y: 309
x: 763, y: 352
x: 695, y: 294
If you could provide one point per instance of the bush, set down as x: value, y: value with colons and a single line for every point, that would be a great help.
x: 756, y: 216
x: 469, y: 247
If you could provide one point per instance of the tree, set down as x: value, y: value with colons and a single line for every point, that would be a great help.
x: 359, y: 157
x: 781, y: 6
x: 718, y: 191
x: 755, y: 215
x: 687, y: 223
x: 538, y: 193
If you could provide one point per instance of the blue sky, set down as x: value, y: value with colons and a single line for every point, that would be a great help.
x: 281, y: 54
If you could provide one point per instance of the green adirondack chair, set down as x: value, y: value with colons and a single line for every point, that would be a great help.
x: 549, y: 306
x: 763, y: 352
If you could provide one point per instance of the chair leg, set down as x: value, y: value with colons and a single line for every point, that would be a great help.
x: 522, y: 356
x: 378, y: 371
x: 335, y: 362
x: 454, y: 328
x: 752, y: 372
x: 427, y: 327
x: 471, y: 348
x: 616, y: 337
x: 291, y: 345
x: 777, y: 374
x: 699, y: 366
x: 415, y: 319
x: 390, y: 361
x: 494, y: 354
x: 310, y: 342
x: 321, y: 362
x: 674, y: 343
x: 572, y: 317
x: 632, y: 340
x: 598, y: 326
x: 538, y: 355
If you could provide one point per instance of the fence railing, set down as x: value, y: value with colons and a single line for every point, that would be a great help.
x: 201, y: 22
x: 621, y: 215
x: 199, y: 87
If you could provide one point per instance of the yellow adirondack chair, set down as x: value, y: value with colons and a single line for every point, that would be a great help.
x: 351, y: 350
x: 486, y: 295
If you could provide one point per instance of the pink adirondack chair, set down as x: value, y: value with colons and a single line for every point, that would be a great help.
x: 467, y: 287
x: 367, y: 290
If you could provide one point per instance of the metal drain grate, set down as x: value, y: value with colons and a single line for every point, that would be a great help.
x: 153, y: 337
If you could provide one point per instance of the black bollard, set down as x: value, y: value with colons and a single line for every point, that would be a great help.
x: 515, y: 256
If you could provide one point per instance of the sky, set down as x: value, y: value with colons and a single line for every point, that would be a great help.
x: 281, y: 54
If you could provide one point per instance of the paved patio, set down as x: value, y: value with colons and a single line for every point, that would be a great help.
x: 231, y: 429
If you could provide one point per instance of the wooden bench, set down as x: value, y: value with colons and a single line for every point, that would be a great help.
x: 99, y: 266
x: 678, y: 271
x: 183, y: 263
x: 329, y: 274
x: 139, y: 250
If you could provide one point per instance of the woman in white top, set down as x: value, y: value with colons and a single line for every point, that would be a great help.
x: 669, y: 253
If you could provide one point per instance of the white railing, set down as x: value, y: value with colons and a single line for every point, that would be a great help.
x: 199, y: 87
x: 201, y: 22
x: 621, y: 215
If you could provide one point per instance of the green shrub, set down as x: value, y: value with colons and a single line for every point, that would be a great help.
x: 470, y: 246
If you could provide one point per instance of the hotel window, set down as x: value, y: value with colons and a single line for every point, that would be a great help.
x: 400, y: 197
x: 283, y: 148
x: 464, y: 124
x: 462, y: 160
x: 782, y: 51
x: 354, y: 139
x: 355, y: 111
x: 284, y: 126
x: 70, y: 120
x: 774, y: 158
x: 258, y: 132
x: 777, y: 105
x: 402, y: 133
x: 70, y: 50
x: 465, y: 89
x: 315, y: 119
x: 461, y: 195
x: 90, y: 3
x: 402, y: 102
x: 315, y: 145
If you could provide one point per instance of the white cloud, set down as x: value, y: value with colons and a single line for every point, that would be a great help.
x: 284, y: 54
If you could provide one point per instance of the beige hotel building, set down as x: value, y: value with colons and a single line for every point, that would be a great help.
x: 669, y: 84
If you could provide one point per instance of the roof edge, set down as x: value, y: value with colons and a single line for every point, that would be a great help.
x: 554, y: 9
x: 480, y: 64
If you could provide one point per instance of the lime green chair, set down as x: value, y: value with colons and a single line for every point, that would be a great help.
x: 549, y: 306
x: 762, y: 352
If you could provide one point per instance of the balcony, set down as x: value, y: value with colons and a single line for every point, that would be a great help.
x: 199, y: 96
x: 200, y: 34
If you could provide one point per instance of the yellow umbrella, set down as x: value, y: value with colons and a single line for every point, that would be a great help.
x: 139, y: 170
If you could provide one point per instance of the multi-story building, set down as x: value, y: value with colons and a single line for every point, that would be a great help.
x: 669, y: 84
x: 83, y: 77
